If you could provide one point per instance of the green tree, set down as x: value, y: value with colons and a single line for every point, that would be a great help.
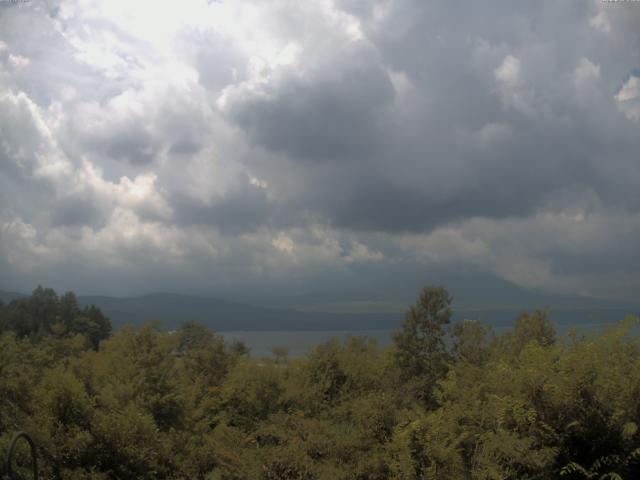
x: 44, y: 314
x: 68, y: 308
x: 92, y: 323
x: 420, y: 348
x: 533, y: 327
x: 239, y: 349
x: 280, y: 354
x: 204, y: 353
x: 471, y: 341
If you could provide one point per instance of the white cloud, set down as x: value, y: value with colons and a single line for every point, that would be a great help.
x: 509, y: 71
x: 586, y: 71
x: 628, y: 98
x: 600, y: 22
x: 283, y: 243
x: 27, y: 142
x: 492, y: 134
x: 513, y: 91
x: 18, y: 61
x: 359, y: 252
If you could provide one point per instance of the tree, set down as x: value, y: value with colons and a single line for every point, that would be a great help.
x: 280, y: 353
x: 194, y: 335
x: 69, y: 309
x: 471, y: 341
x: 205, y: 354
x: 420, y: 352
x: 533, y: 327
x: 239, y: 349
x: 44, y: 314
x: 92, y: 323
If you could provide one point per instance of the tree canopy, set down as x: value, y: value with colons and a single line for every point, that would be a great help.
x: 45, y: 313
x: 442, y: 402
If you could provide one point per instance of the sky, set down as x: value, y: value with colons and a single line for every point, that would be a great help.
x: 354, y: 146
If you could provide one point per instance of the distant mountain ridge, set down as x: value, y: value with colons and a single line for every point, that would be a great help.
x: 7, y: 297
x: 223, y: 315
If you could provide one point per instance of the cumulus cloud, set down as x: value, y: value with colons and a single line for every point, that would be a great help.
x: 228, y: 144
x: 628, y: 98
x: 513, y: 91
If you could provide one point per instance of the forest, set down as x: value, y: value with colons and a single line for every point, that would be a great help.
x: 444, y: 401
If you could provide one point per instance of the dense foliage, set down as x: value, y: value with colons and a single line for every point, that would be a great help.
x: 45, y: 314
x: 443, y: 402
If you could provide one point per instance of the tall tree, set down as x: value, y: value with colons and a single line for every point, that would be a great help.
x: 534, y: 327
x: 420, y: 350
x: 471, y: 340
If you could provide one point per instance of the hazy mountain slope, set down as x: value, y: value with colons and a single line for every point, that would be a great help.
x: 222, y: 315
x: 381, y: 286
x: 6, y: 297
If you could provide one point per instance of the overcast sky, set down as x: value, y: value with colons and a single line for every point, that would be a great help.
x: 228, y: 146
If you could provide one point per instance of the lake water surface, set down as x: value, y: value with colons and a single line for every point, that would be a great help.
x: 301, y: 342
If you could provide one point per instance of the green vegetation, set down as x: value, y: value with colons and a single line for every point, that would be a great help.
x: 443, y: 402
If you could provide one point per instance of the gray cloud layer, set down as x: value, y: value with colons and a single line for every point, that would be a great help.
x: 241, y: 143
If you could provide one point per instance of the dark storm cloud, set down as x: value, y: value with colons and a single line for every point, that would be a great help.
x: 336, y: 116
x: 184, y: 147
x: 133, y: 144
x: 244, y: 209
x: 76, y: 211
x: 469, y: 140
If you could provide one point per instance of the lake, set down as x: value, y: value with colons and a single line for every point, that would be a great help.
x: 300, y: 342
